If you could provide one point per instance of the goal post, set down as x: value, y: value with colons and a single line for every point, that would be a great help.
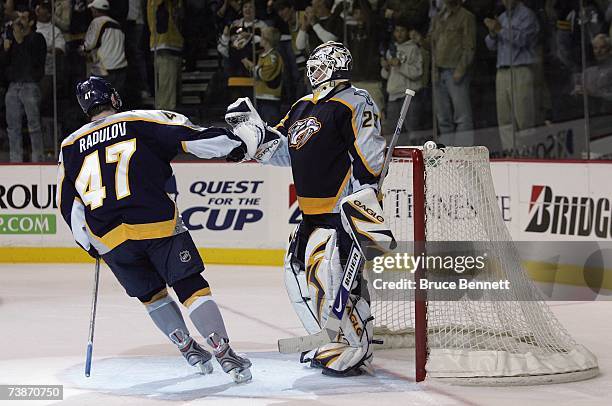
x: 420, y: 299
x: 446, y: 196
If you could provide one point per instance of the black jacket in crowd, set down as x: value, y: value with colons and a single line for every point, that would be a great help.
x: 25, y: 62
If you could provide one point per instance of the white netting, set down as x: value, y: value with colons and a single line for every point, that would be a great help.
x: 513, y: 335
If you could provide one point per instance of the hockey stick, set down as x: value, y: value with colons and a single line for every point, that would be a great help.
x: 352, y: 267
x: 92, y: 318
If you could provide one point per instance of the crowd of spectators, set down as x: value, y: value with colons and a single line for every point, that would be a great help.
x: 512, y: 64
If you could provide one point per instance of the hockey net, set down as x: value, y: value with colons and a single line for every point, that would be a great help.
x: 511, y: 339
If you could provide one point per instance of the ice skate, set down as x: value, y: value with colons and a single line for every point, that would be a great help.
x: 192, y: 351
x: 236, y: 366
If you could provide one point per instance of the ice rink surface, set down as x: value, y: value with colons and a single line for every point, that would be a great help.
x: 44, y: 320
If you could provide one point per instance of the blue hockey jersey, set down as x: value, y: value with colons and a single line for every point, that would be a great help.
x: 113, y: 173
x: 334, y: 147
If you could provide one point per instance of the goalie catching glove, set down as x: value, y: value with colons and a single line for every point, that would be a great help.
x: 260, y: 139
x: 362, y: 218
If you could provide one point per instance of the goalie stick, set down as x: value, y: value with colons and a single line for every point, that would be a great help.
x: 351, y: 269
x: 92, y: 318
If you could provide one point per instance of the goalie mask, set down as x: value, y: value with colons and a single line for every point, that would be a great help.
x: 329, y: 64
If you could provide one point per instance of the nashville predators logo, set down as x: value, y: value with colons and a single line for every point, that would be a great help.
x: 301, y: 131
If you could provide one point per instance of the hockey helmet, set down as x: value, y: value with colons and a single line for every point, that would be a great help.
x: 329, y: 62
x: 96, y: 91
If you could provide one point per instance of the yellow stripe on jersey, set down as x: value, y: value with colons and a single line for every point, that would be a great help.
x: 322, y: 205
x: 355, y: 133
x: 124, y: 232
x: 282, y: 122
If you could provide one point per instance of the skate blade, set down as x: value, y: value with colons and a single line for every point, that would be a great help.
x: 242, y: 376
x: 206, y: 367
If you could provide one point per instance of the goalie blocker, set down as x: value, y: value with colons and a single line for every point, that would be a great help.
x: 323, y: 279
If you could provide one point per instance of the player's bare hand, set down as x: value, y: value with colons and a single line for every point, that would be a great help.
x: 394, y: 62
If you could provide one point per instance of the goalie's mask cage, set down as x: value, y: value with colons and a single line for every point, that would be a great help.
x: 330, y: 61
x: 512, y: 339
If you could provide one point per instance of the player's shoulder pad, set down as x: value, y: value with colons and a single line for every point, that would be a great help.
x: 307, y: 98
x: 159, y: 117
x: 355, y: 98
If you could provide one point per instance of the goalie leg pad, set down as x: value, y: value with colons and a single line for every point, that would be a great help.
x: 362, y: 218
x: 353, y: 348
x: 313, y: 280
x: 323, y: 271
x: 297, y: 287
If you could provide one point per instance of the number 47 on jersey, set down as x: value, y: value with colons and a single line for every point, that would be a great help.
x: 89, y: 181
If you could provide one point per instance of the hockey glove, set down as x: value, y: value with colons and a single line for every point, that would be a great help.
x: 261, y: 141
x: 246, y: 123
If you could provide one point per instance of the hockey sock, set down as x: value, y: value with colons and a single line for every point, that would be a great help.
x: 206, y: 317
x: 194, y: 293
x: 165, y: 313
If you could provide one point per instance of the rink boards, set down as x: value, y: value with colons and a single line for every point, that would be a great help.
x: 243, y: 214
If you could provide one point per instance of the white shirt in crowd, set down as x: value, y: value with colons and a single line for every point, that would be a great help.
x: 46, y: 29
x: 105, y: 38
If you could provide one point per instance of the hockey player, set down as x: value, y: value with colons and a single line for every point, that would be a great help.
x: 111, y: 192
x: 332, y: 141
